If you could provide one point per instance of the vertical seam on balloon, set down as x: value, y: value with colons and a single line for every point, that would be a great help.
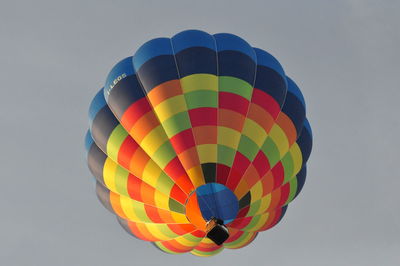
x: 187, y: 110
x: 247, y: 113
x: 216, y: 55
x: 191, y: 128
x: 216, y: 144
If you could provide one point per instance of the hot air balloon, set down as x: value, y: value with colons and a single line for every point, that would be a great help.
x: 198, y: 142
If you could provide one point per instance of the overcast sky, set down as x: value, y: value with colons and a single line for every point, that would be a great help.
x: 344, y: 55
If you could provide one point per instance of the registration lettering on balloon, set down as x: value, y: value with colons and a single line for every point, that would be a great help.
x: 115, y: 81
x: 198, y: 142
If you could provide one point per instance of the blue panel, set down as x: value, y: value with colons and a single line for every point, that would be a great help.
x: 230, y: 42
x: 88, y: 141
x: 151, y: 49
x: 196, y: 60
x: 294, y: 109
x: 301, y: 179
x: 216, y: 200
x: 192, y: 38
x: 156, y: 71
x: 97, y: 103
x: 120, y: 71
x: 267, y: 60
x: 124, y: 94
x: 293, y: 88
x: 308, y: 127
x: 305, y: 141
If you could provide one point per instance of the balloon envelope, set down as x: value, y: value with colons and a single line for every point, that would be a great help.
x: 198, y: 130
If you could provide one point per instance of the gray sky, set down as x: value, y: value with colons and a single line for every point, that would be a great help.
x: 344, y: 55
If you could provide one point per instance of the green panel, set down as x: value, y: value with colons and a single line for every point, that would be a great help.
x: 166, y: 230
x: 248, y: 147
x: 176, y: 206
x: 176, y: 123
x: 288, y: 166
x: 293, y: 189
x: 121, y: 181
x: 191, y: 238
x: 271, y: 151
x: 254, y: 208
x: 115, y: 141
x: 253, y: 222
x: 201, y: 98
x: 141, y: 213
x: 164, y: 184
x: 164, y: 154
x: 206, y: 253
x: 236, y: 86
x: 225, y: 155
x: 161, y: 246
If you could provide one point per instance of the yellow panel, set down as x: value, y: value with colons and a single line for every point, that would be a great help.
x: 179, y: 218
x: 166, y: 250
x: 169, y: 107
x: 206, y: 240
x: 297, y: 158
x: 243, y: 239
x: 127, y: 206
x: 207, y: 153
x: 151, y: 173
x: 254, y: 131
x: 260, y: 223
x: 160, y: 231
x: 196, y: 176
x: 161, y: 200
x: 154, y: 140
x: 109, y: 170
x: 183, y: 240
x: 199, y: 82
x: 265, y: 202
x: 280, y: 139
x: 256, y: 192
x: 228, y: 137
x: 115, y: 141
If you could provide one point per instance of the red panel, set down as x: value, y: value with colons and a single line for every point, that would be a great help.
x: 285, y: 191
x: 152, y: 213
x: 175, y: 246
x: 241, y: 222
x: 181, y: 229
x: 243, y: 212
x: 183, y: 141
x: 141, y: 232
x: 209, y: 247
x: 198, y: 233
x: 203, y: 116
x: 133, y: 187
x: 134, y: 112
x: 222, y: 173
x: 266, y: 101
x: 174, y: 169
x: 178, y: 195
x: 261, y: 163
x: 233, y: 102
x: 234, y: 236
x: 278, y: 172
x: 126, y: 151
